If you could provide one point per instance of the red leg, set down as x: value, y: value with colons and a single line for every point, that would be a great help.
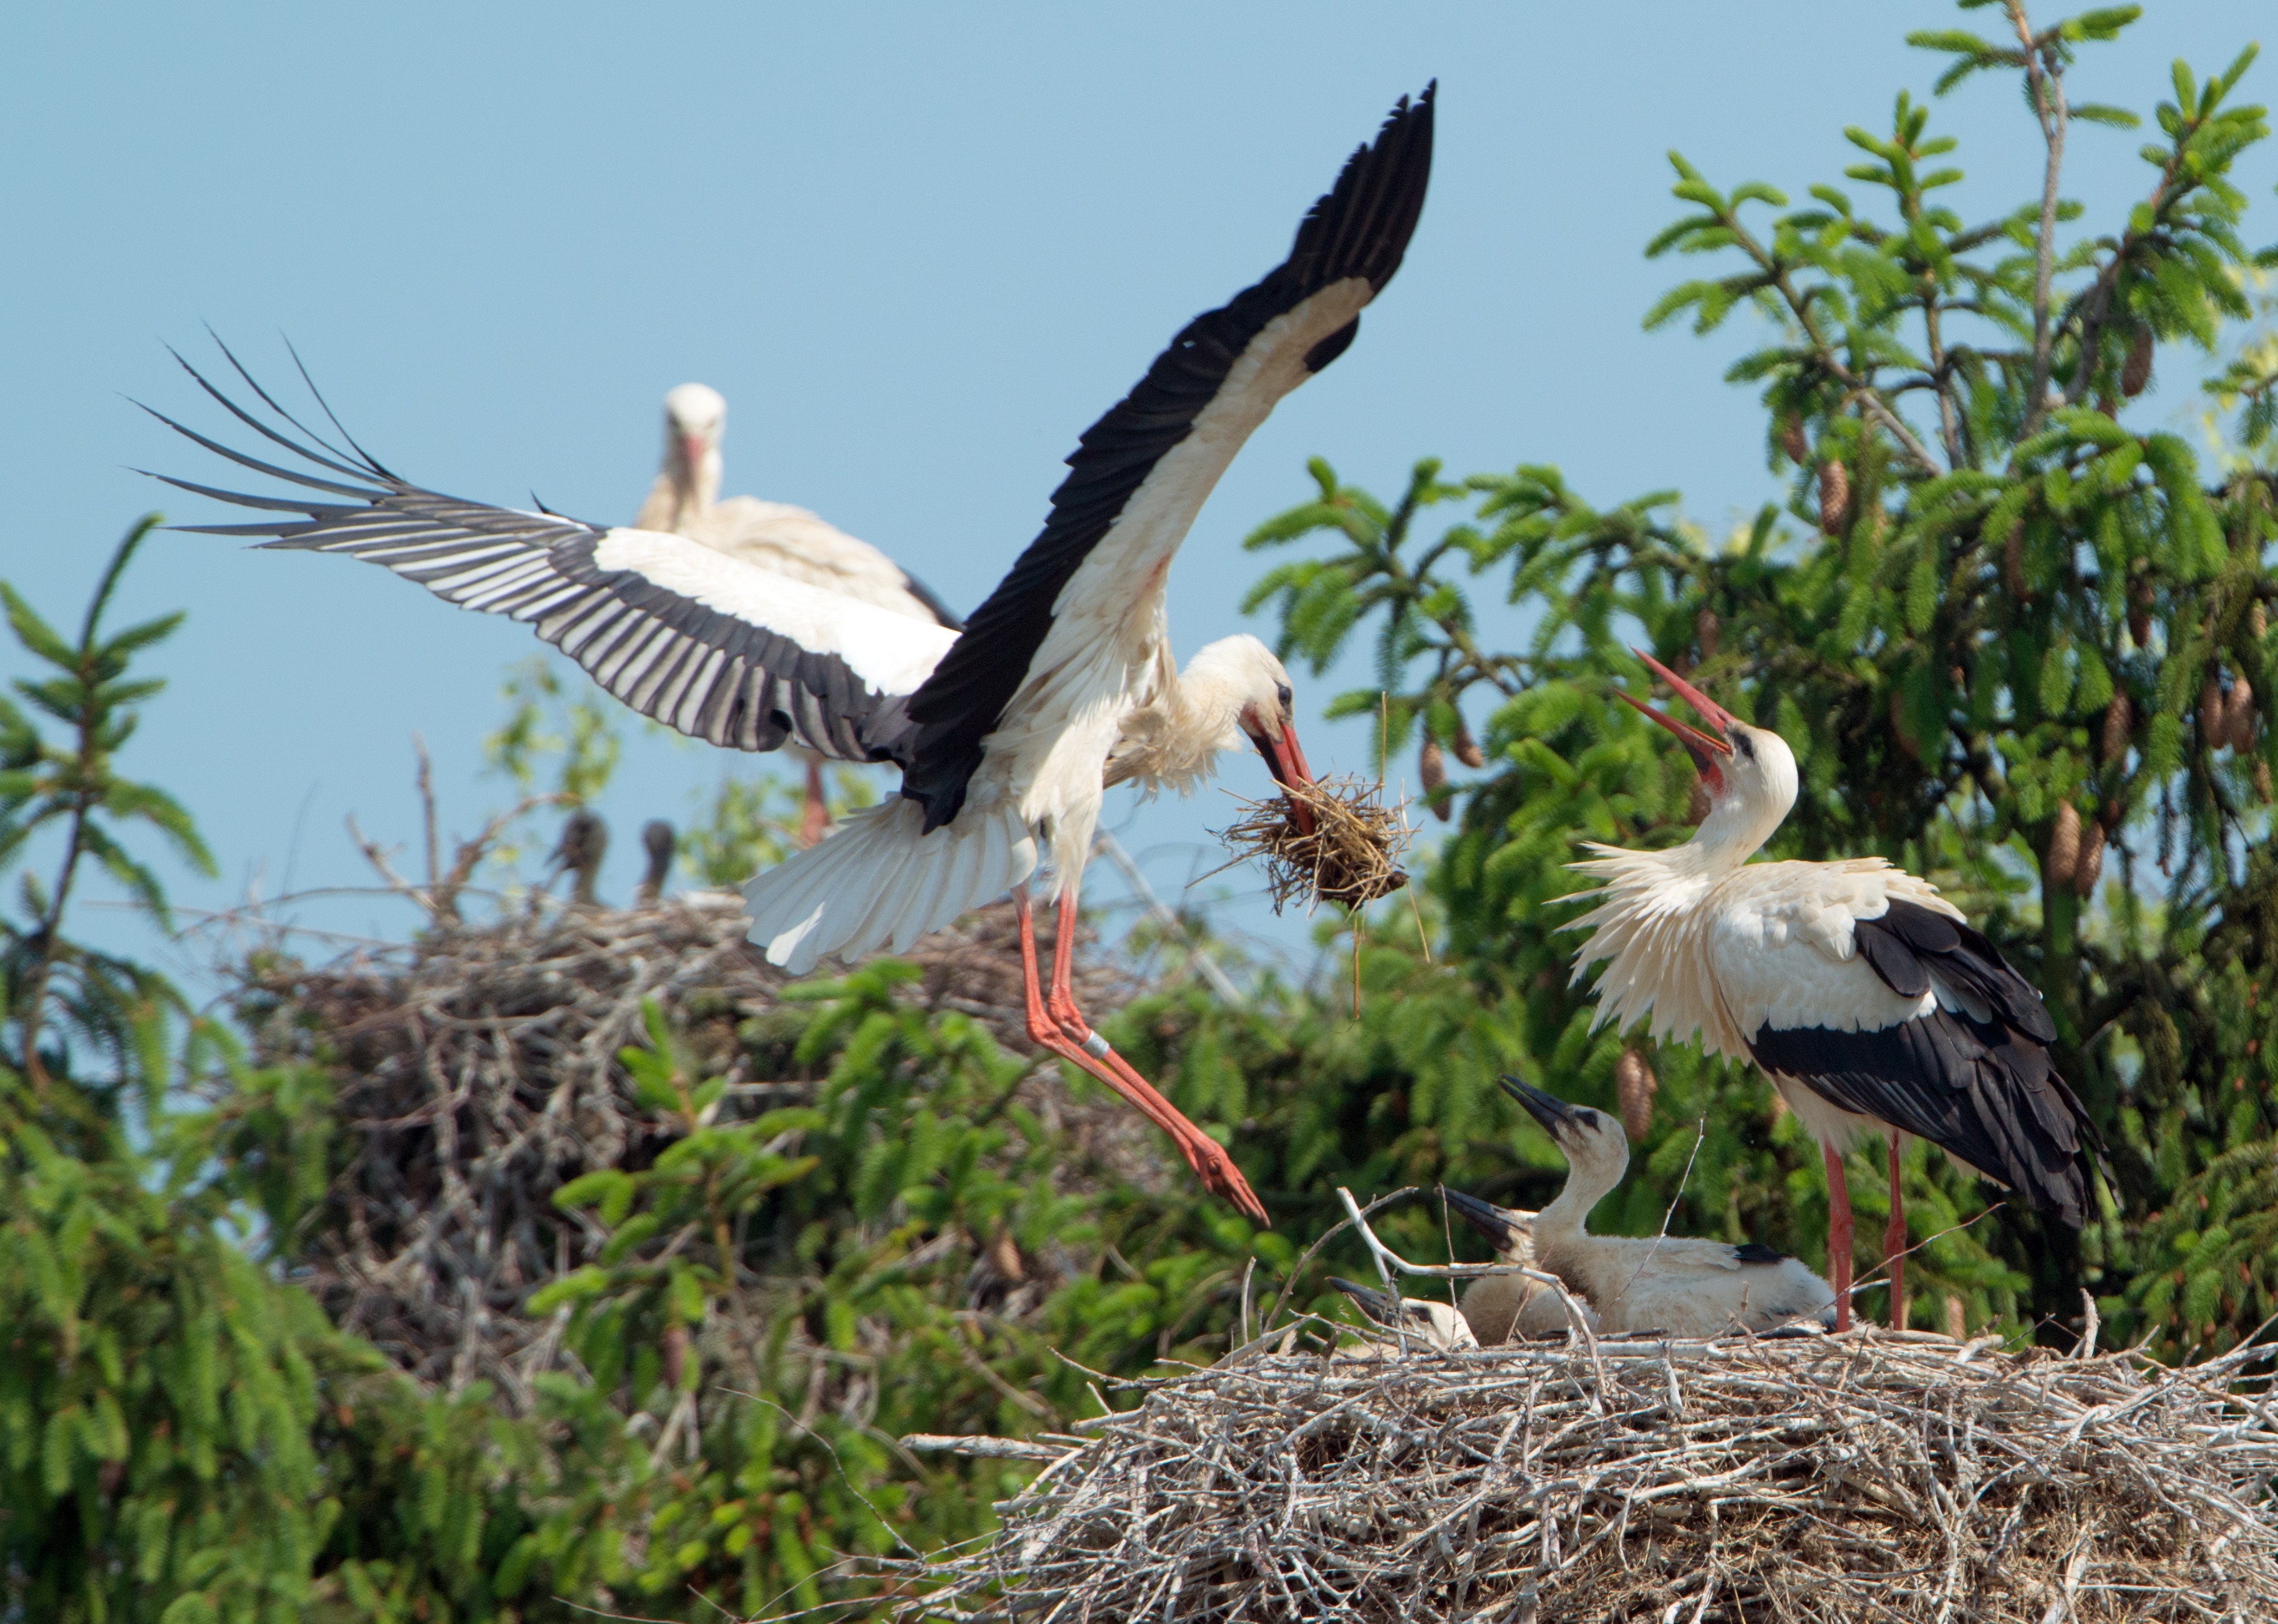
x: 814, y: 816
x: 1839, y: 1238
x: 1057, y: 1026
x: 1894, y: 1244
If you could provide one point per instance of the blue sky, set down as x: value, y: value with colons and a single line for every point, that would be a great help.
x: 917, y: 249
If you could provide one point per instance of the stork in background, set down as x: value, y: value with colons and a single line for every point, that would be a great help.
x: 585, y: 842
x: 1678, y: 1285
x: 660, y: 841
x: 684, y: 499
x: 1862, y: 993
x: 1004, y: 733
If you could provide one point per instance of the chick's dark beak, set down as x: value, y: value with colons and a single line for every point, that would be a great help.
x: 1484, y: 1217
x: 1556, y: 1115
x: 1377, y: 1305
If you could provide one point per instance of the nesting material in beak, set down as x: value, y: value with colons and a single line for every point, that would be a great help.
x: 1705, y: 749
x: 1324, y: 840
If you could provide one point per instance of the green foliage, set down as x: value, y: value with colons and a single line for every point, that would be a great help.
x: 1985, y: 599
x: 744, y: 825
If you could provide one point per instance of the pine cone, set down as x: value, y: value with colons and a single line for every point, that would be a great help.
x: 2139, y: 613
x: 2092, y: 861
x: 1792, y: 441
x: 2110, y: 813
x: 675, y: 1348
x: 1635, y: 1085
x: 1957, y: 1323
x: 2136, y: 371
x: 2064, y: 847
x: 2214, y: 720
x: 2119, y: 721
x: 2013, y: 564
x: 1834, y: 496
x: 1004, y: 1258
x: 1467, y: 748
x: 2238, y: 716
x: 2262, y: 781
x: 1708, y: 631
x: 2257, y: 621
x: 1432, y: 772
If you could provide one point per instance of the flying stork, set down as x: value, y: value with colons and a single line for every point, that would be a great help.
x: 1678, y: 1285
x: 1007, y: 733
x: 1862, y: 993
x: 684, y: 500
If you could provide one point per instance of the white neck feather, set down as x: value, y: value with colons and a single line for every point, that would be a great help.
x: 675, y: 505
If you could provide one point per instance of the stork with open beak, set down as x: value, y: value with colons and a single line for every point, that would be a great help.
x: 1006, y: 733
x: 1862, y: 993
x: 783, y: 540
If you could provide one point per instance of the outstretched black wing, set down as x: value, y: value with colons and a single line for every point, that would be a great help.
x: 709, y: 645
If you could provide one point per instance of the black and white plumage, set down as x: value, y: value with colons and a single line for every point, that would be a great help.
x: 1501, y: 1309
x: 1862, y: 994
x: 684, y: 500
x: 1677, y: 1285
x: 1004, y: 733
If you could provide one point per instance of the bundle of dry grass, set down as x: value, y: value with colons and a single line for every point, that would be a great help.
x: 477, y: 1072
x: 1349, y: 855
x: 1869, y: 1476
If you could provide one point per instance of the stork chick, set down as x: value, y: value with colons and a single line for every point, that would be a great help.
x: 1680, y: 1286
x: 658, y: 837
x: 1500, y: 1308
x: 1862, y: 994
x: 585, y: 842
x: 1430, y: 1327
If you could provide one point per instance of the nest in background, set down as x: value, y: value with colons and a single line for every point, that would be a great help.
x: 1351, y: 855
x: 1870, y: 1476
x: 477, y: 1073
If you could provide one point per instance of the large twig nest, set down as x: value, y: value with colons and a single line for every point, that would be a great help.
x: 1349, y: 855
x: 1869, y: 1476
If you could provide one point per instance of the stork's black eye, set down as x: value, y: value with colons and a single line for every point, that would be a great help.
x: 1283, y: 694
x: 1745, y: 745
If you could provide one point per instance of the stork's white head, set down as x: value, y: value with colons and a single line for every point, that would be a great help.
x: 1510, y: 1233
x: 1749, y: 772
x: 1434, y: 1325
x: 1597, y: 1154
x: 1234, y: 688
x: 695, y: 420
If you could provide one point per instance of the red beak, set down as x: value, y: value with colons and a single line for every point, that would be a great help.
x: 1704, y: 749
x: 1285, y: 758
x: 692, y: 452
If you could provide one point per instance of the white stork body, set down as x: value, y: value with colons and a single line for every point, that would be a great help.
x: 1678, y: 1285
x: 1500, y: 1308
x: 1006, y: 732
x: 1872, y: 1004
x: 787, y: 542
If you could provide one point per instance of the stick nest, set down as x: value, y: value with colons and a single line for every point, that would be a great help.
x: 477, y: 1071
x: 1870, y: 1475
x: 1351, y: 856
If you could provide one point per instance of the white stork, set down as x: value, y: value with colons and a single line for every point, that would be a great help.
x: 1500, y: 1307
x: 1435, y: 1326
x: 1006, y: 734
x: 684, y: 500
x: 1678, y: 1285
x: 1862, y: 994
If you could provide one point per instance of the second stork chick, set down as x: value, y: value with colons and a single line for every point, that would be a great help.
x: 1429, y: 1327
x: 1498, y: 1308
x: 1677, y: 1285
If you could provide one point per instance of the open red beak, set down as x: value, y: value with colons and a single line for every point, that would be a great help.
x: 1704, y: 749
x: 1285, y: 758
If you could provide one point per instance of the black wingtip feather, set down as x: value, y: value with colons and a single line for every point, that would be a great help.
x: 1359, y: 228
